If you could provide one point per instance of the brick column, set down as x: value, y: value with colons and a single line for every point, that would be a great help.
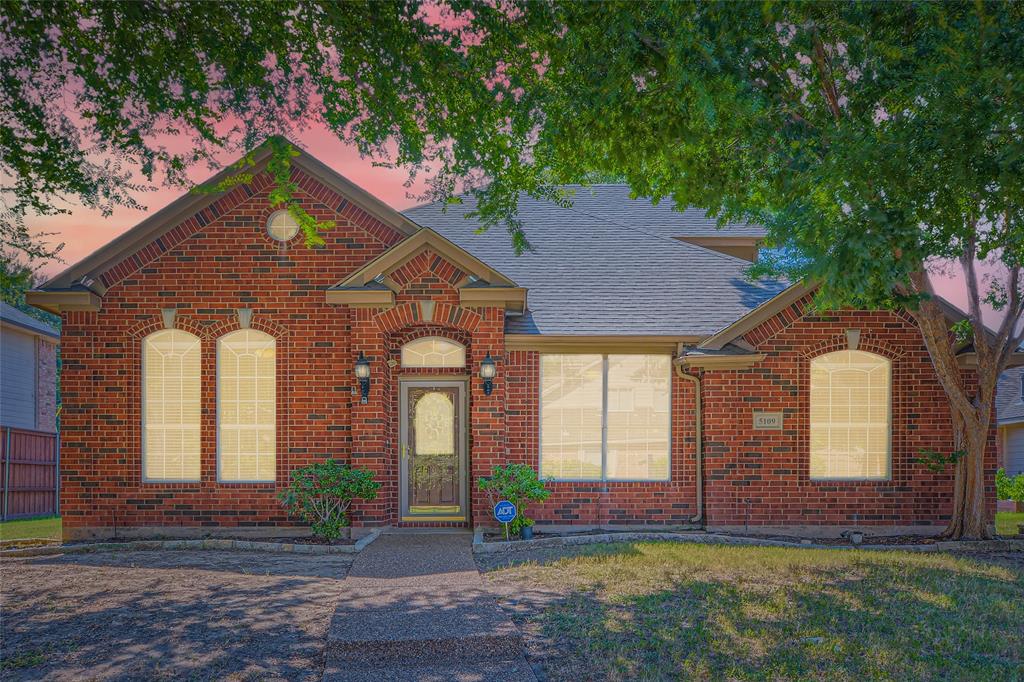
x: 487, y: 443
x: 371, y: 448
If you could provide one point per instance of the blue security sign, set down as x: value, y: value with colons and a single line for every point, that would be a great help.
x: 505, y: 511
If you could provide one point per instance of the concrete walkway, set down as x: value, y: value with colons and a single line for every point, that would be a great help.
x: 416, y: 610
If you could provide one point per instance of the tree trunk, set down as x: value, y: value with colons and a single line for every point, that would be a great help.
x: 968, y: 520
x: 971, y: 416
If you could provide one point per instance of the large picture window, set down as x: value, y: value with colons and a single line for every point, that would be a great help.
x: 170, y: 406
x: 605, y: 417
x: 246, y: 406
x: 850, y: 416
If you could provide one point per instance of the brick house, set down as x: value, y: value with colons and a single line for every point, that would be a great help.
x: 207, y: 353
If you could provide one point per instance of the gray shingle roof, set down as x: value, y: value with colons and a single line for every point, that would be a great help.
x: 12, y: 315
x: 613, y: 203
x: 1009, y: 406
x: 609, y: 266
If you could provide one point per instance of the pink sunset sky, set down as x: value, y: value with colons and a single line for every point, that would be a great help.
x: 84, y: 230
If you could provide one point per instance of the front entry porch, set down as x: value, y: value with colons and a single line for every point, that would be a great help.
x: 428, y: 428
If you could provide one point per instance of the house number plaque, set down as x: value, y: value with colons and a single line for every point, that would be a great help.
x: 768, y: 421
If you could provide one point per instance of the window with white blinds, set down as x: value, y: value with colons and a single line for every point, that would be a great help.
x: 638, y: 418
x: 850, y: 416
x: 605, y: 417
x: 570, y: 416
x: 246, y: 407
x: 170, y: 406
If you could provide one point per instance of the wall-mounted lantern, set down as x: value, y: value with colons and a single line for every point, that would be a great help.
x: 488, y: 370
x: 363, y: 374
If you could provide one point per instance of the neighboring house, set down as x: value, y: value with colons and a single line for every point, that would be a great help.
x: 208, y: 353
x: 28, y: 371
x: 1010, y: 416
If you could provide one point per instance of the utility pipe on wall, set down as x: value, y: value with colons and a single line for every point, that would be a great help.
x: 699, y: 516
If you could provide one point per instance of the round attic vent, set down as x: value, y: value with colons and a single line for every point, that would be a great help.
x: 282, y: 226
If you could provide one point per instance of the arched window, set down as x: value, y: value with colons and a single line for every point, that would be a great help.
x: 433, y: 351
x: 246, y: 406
x: 850, y: 416
x: 170, y: 406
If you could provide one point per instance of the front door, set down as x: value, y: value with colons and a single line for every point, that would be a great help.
x: 432, y: 451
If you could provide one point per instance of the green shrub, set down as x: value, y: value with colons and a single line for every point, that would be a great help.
x: 322, y: 493
x: 517, y: 483
x: 1009, y: 487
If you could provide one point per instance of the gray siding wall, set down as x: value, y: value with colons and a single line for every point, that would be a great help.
x: 1014, y: 457
x: 17, y: 379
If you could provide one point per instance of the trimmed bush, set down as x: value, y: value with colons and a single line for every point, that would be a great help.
x: 1009, y: 487
x: 517, y: 483
x: 322, y: 493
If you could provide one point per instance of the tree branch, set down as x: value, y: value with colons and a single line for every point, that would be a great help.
x: 931, y: 320
x: 828, y: 84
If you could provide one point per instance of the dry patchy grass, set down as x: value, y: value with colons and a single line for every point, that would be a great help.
x: 665, y: 610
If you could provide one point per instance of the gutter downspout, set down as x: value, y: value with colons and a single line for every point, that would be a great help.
x: 699, y: 516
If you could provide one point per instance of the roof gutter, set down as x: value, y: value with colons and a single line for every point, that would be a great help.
x: 698, y: 440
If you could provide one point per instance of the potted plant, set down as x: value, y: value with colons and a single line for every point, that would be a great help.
x: 322, y: 493
x: 519, y: 484
x: 526, y: 529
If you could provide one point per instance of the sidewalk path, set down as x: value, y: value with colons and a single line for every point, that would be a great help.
x: 415, y: 609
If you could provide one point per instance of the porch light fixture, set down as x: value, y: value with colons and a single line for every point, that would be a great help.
x: 487, y: 372
x: 363, y: 374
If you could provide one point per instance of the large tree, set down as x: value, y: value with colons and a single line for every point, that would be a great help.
x: 875, y: 141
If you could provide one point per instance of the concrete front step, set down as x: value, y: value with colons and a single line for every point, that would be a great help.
x: 511, y: 670
x: 432, y: 634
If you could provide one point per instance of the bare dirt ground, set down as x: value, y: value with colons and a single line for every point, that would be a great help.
x: 175, y: 615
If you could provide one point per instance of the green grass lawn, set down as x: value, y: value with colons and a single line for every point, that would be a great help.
x: 686, y: 611
x: 1007, y: 522
x: 46, y: 528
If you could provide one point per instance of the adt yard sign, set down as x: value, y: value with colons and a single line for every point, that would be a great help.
x: 504, y: 511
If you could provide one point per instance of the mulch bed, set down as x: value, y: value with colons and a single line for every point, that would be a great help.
x: 845, y: 542
x: 495, y: 536
x: 302, y: 540
x: 310, y: 540
x: 869, y: 540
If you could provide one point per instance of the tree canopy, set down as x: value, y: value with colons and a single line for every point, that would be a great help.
x: 872, y: 140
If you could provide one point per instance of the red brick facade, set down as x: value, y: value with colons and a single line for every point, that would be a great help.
x: 762, y: 477
x: 222, y: 260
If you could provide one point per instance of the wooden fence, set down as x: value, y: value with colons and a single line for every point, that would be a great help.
x: 30, y: 462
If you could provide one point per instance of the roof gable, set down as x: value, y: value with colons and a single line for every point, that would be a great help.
x: 425, y: 239
x: 373, y: 285
x: 181, y: 218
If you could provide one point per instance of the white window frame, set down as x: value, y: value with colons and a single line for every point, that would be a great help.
x: 604, y: 423
x: 889, y: 466
x: 217, y: 388
x: 142, y: 405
